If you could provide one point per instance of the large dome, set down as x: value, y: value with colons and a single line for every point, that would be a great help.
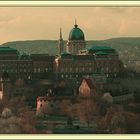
x: 76, y: 34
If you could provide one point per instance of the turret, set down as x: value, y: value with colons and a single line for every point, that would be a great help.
x: 60, y: 44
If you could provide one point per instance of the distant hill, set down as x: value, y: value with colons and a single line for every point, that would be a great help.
x: 127, y: 47
x: 34, y: 46
x: 50, y: 46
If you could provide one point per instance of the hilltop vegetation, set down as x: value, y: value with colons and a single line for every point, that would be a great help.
x: 128, y: 48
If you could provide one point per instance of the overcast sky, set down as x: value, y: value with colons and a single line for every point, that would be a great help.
x: 35, y: 23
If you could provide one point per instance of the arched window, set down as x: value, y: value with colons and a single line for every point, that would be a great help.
x: 39, y: 70
x: 34, y: 70
x: 62, y: 75
x: 90, y: 69
x: 46, y: 69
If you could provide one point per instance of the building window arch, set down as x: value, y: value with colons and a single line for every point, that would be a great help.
x: 39, y: 70
x: 46, y: 69
x: 62, y: 76
x: 34, y: 70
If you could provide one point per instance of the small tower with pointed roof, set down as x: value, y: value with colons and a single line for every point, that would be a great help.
x: 60, y: 44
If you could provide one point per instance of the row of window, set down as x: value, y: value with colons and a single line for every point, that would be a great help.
x: 77, y: 76
x: 90, y: 69
x: 15, y: 70
x: 90, y: 64
x: 76, y: 64
x: 38, y: 70
x: 15, y: 65
x: 69, y: 76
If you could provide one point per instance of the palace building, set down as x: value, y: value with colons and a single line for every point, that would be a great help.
x: 74, y: 61
x: 78, y: 61
x: 25, y: 66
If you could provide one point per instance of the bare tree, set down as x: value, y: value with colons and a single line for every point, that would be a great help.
x: 65, y: 107
x: 87, y: 110
x: 18, y: 117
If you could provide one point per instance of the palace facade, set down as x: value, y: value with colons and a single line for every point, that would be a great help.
x: 78, y: 61
x: 14, y: 65
x: 73, y: 62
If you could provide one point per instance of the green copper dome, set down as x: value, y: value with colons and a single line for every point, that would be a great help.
x: 76, y: 34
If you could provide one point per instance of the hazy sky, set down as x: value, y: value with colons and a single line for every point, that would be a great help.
x: 35, y: 23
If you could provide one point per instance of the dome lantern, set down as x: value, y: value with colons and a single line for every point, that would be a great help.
x: 75, y: 24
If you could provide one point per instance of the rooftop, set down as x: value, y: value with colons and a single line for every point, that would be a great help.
x: 89, y: 83
x: 7, y: 49
x: 66, y: 55
x: 101, y: 50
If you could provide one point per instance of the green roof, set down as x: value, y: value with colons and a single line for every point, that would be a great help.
x: 101, y: 50
x: 66, y: 55
x: 4, y: 50
x: 7, y: 49
x: 101, y: 53
x: 76, y: 34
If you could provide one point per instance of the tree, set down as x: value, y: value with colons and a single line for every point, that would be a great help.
x: 9, y: 124
x: 137, y: 95
x: 27, y: 122
x: 103, y: 106
x: 104, y: 121
x: 108, y: 97
x: 117, y: 120
x: 86, y: 110
x: 65, y: 107
x: 16, y: 115
x: 118, y: 123
x: 6, y: 113
x: 132, y: 122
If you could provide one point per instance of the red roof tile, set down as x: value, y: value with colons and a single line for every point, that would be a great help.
x: 89, y: 83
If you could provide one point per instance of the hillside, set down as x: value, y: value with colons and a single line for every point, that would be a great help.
x: 128, y: 48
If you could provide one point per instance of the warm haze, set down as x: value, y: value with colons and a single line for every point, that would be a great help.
x: 43, y: 23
